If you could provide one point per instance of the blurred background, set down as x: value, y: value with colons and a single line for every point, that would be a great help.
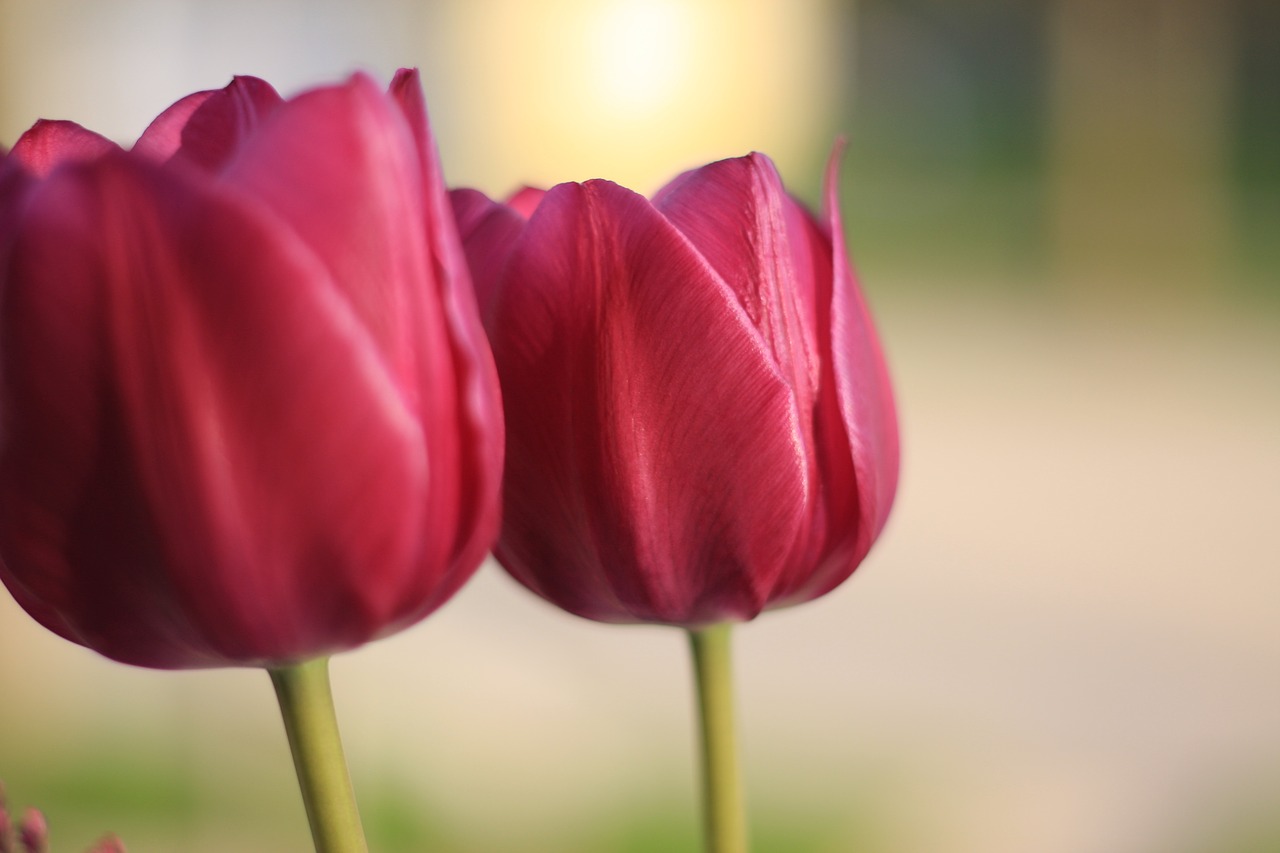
x: 1066, y: 214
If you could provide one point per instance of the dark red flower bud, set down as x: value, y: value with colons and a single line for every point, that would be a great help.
x: 33, y: 832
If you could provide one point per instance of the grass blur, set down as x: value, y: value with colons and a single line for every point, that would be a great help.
x: 157, y: 803
x: 1066, y: 216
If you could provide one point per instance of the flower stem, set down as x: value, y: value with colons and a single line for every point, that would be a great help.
x: 306, y: 704
x: 723, y: 803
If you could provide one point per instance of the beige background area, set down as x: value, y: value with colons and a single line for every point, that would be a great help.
x: 1068, y: 640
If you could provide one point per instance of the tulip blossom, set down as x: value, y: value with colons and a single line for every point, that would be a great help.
x: 700, y: 424
x: 249, y: 414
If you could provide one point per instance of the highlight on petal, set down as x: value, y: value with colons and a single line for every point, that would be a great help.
x: 206, y: 129
x: 622, y: 356
x: 48, y: 144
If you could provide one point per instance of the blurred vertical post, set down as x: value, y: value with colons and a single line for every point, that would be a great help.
x: 1138, y: 100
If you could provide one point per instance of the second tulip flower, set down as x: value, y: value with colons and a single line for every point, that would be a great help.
x: 700, y: 424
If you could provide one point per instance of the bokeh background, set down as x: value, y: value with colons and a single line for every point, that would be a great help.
x: 1067, y: 216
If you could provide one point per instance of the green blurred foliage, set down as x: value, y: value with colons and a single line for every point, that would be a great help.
x: 1255, y: 144
x: 156, y: 804
x: 949, y: 177
x: 946, y: 170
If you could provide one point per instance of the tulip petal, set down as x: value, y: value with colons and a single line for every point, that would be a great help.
x: 736, y: 213
x: 861, y: 379
x: 654, y: 470
x: 341, y: 167
x: 479, y: 421
x: 837, y: 527
x: 338, y: 165
x: 214, y: 467
x: 855, y: 424
x: 488, y: 231
x: 14, y: 182
x: 163, y: 137
x: 206, y: 129
x: 50, y: 143
x: 525, y: 200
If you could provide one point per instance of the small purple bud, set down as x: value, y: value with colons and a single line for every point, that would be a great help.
x: 7, y: 842
x: 34, y: 832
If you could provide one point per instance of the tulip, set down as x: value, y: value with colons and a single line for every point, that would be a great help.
x: 250, y: 412
x: 700, y: 424
x: 250, y: 416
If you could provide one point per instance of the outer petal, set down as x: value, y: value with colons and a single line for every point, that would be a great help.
x: 525, y: 200
x: 864, y: 395
x: 478, y: 418
x: 736, y: 213
x: 654, y: 470
x: 769, y: 249
x: 206, y: 129
x: 839, y: 529
x: 204, y: 462
x: 855, y: 421
x: 49, y: 143
x: 488, y: 231
x: 862, y: 381
x: 339, y: 165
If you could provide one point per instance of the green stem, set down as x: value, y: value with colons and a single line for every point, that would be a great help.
x: 723, y: 803
x: 306, y: 704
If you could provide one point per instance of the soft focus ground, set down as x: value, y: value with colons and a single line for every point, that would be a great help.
x: 1068, y: 640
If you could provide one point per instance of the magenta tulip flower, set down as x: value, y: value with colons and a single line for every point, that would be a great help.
x: 699, y: 420
x: 250, y: 414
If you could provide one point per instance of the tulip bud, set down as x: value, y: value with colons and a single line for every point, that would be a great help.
x: 7, y: 841
x: 34, y: 832
x: 700, y: 424
x: 249, y: 413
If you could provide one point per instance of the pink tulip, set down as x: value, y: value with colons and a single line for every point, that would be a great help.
x: 699, y: 420
x: 249, y: 414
